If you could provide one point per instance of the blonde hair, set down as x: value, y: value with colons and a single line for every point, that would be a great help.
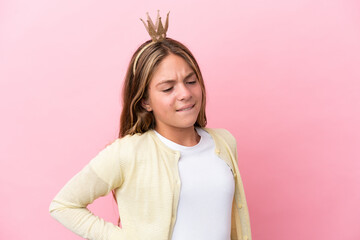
x: 134, y: 118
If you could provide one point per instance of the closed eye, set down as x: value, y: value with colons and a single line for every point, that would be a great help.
x: 191, y: 82
x: 168, y: 89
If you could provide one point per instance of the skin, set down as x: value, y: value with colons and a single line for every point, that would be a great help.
x: 174, y: 97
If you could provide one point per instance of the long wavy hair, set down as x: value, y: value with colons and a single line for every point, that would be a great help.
x: 134, y: 118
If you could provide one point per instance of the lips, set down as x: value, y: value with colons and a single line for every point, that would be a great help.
x: 186, y: 108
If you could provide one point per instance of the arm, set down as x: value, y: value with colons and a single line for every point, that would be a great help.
x: 69, y: 206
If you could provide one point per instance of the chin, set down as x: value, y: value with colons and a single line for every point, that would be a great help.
x: 187, y: 124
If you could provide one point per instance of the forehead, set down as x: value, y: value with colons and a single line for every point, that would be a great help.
x: 171, y: 67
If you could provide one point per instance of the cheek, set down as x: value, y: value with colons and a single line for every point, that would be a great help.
x: 199, y: 92
x: 162, y: 104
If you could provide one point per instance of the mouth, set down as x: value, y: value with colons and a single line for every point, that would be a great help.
x: 186, y: 108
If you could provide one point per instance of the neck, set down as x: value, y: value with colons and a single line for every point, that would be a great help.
x: 187, y: 137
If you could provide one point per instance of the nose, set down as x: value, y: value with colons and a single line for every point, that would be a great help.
x: 184, y: 92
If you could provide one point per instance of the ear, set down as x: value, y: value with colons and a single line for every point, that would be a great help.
x: 145, y: 104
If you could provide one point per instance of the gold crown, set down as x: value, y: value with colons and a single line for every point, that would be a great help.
x: 156, y: 31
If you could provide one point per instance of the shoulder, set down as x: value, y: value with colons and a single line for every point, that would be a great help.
x: 122, y: 149
x: 221, y: 133
x: 223, y: 138
x: 111, y: 162
x: 131, y: 141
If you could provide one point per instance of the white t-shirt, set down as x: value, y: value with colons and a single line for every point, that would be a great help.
x: 205, y: 203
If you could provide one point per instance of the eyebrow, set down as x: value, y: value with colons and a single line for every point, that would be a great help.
x: 171, y: 81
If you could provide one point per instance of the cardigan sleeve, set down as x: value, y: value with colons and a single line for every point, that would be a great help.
x: 96, y: 179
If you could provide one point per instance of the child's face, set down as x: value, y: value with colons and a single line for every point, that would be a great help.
x: 174, y: 95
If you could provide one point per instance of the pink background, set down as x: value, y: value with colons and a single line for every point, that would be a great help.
x: 282, y: 76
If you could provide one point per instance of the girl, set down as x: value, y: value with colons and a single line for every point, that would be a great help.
x: 171, y: 177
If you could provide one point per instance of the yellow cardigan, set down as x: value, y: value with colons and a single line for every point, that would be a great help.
x: 144, y: 173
